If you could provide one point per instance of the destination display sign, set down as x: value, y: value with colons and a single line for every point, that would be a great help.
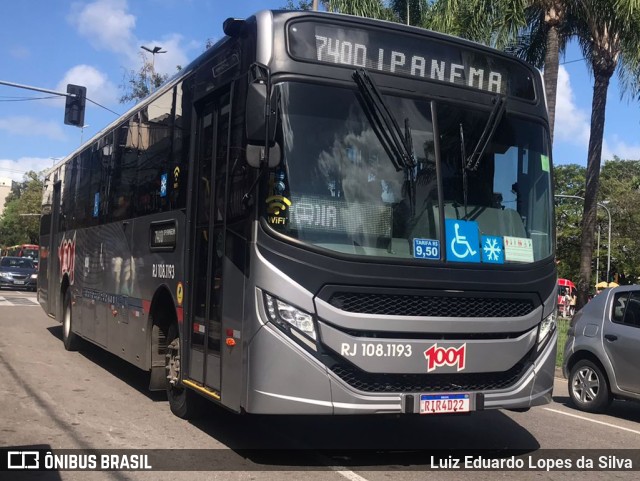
x: 329, y: 214
x: 409, y: 55
x: 163, y: 235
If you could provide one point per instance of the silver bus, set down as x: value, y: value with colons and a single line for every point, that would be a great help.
x: 321, y: 214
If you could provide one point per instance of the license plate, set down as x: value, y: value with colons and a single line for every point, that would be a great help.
x: 444, y: 403
x: 19, y: 283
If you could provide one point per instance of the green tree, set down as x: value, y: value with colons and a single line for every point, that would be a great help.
x: 410, y: 12
x: 620, y: 193
x: 20, y: 222
x: 568, y: 180
x: 362, y: 8
x: 620, y: 189
x: 139, y: 84
x: 300, y: 5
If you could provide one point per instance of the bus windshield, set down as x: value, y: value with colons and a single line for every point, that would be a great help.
x: 338, y: 188
x: 30, y: 252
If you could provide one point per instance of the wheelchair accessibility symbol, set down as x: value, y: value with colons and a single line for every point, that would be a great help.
x: 463, y: 241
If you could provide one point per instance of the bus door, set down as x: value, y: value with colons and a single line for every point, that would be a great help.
x: 205, y: 323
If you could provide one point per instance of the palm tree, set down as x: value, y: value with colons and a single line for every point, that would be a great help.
x: 410, y: 12
x: 361, y: 8
x: 609, y: 35
x: 535, y: 30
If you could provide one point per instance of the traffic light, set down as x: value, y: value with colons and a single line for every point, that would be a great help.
x: 74, y: 106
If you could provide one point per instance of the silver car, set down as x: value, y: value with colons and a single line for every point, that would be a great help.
x: 603, y: 348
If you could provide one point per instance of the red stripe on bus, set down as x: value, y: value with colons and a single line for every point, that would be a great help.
x: 146, y: 306
x: 180, y: 313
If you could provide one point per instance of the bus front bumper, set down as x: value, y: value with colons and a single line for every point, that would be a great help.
x: 283, y: 378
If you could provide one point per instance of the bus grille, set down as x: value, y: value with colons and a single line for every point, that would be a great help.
x: 430, y: 306
x: 425, y: 383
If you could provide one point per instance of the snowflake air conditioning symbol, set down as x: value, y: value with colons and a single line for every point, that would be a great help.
x: 163, y: 185
x: 492, y: 250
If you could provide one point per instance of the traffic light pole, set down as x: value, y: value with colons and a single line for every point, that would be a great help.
x: 74, y: 105
x: 37, y: 89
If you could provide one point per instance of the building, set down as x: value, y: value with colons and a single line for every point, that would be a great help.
x: 5, y: 188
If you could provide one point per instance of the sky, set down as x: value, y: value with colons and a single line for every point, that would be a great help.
x: 48, y: 44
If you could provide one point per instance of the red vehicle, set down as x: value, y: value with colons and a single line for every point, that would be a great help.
x: 566, y: 297
x: 31, y: 251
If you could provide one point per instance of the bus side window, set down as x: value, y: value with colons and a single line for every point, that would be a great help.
x: 152, y: 183
x: 67, y: 219
x: 124, y: 170
x: 181, y: 141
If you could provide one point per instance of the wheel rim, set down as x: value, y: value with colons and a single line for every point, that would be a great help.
x: 585, y: 385
x: 173, y: 362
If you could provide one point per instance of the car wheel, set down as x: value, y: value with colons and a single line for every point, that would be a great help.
x: 588, y: 387
x: 69, y: 338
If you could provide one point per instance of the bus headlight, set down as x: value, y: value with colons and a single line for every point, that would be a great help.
x: 287, y: 316
x: 547, y: 326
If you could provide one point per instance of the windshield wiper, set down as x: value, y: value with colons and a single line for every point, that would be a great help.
x: 397, y: 145
x: 487, y: 134
x: 384, y: 123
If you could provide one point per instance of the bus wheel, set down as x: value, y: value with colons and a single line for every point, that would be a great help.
x: 69, y: 338
x: 183, y: 402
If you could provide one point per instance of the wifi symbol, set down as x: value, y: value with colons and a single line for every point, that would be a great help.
x: 277, y: 203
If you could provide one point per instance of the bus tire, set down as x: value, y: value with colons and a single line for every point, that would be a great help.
x: 69, y: 338
x: 183, y: 402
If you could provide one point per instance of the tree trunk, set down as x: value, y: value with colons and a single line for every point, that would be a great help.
x: 551, y: 62
x: 598, y: 105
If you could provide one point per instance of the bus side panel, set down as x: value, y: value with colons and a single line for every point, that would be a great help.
x: 43, y: 274
x: 152, y: 270
x: 115, y: 277
x: 234, y: 298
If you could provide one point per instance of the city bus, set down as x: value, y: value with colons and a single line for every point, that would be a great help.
x: 23, y: 250
x: 320, y: 215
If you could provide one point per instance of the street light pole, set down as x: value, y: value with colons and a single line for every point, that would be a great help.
x: 82, y: 132
x: 600, y: 204
x: 153, y: 53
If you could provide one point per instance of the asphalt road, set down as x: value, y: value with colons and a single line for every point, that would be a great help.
x: 54, y: 399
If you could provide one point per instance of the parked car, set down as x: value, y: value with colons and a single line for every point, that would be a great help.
x: 602, y: 350
x: 18, y: 272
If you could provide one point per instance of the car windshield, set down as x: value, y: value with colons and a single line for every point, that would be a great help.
x: 31, y: 253
x: 16, y: 262
x: 339, y: 188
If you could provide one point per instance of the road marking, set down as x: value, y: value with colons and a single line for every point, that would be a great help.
x: 18, y: 301
x: 592, y: 420
x: 350, y: 475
